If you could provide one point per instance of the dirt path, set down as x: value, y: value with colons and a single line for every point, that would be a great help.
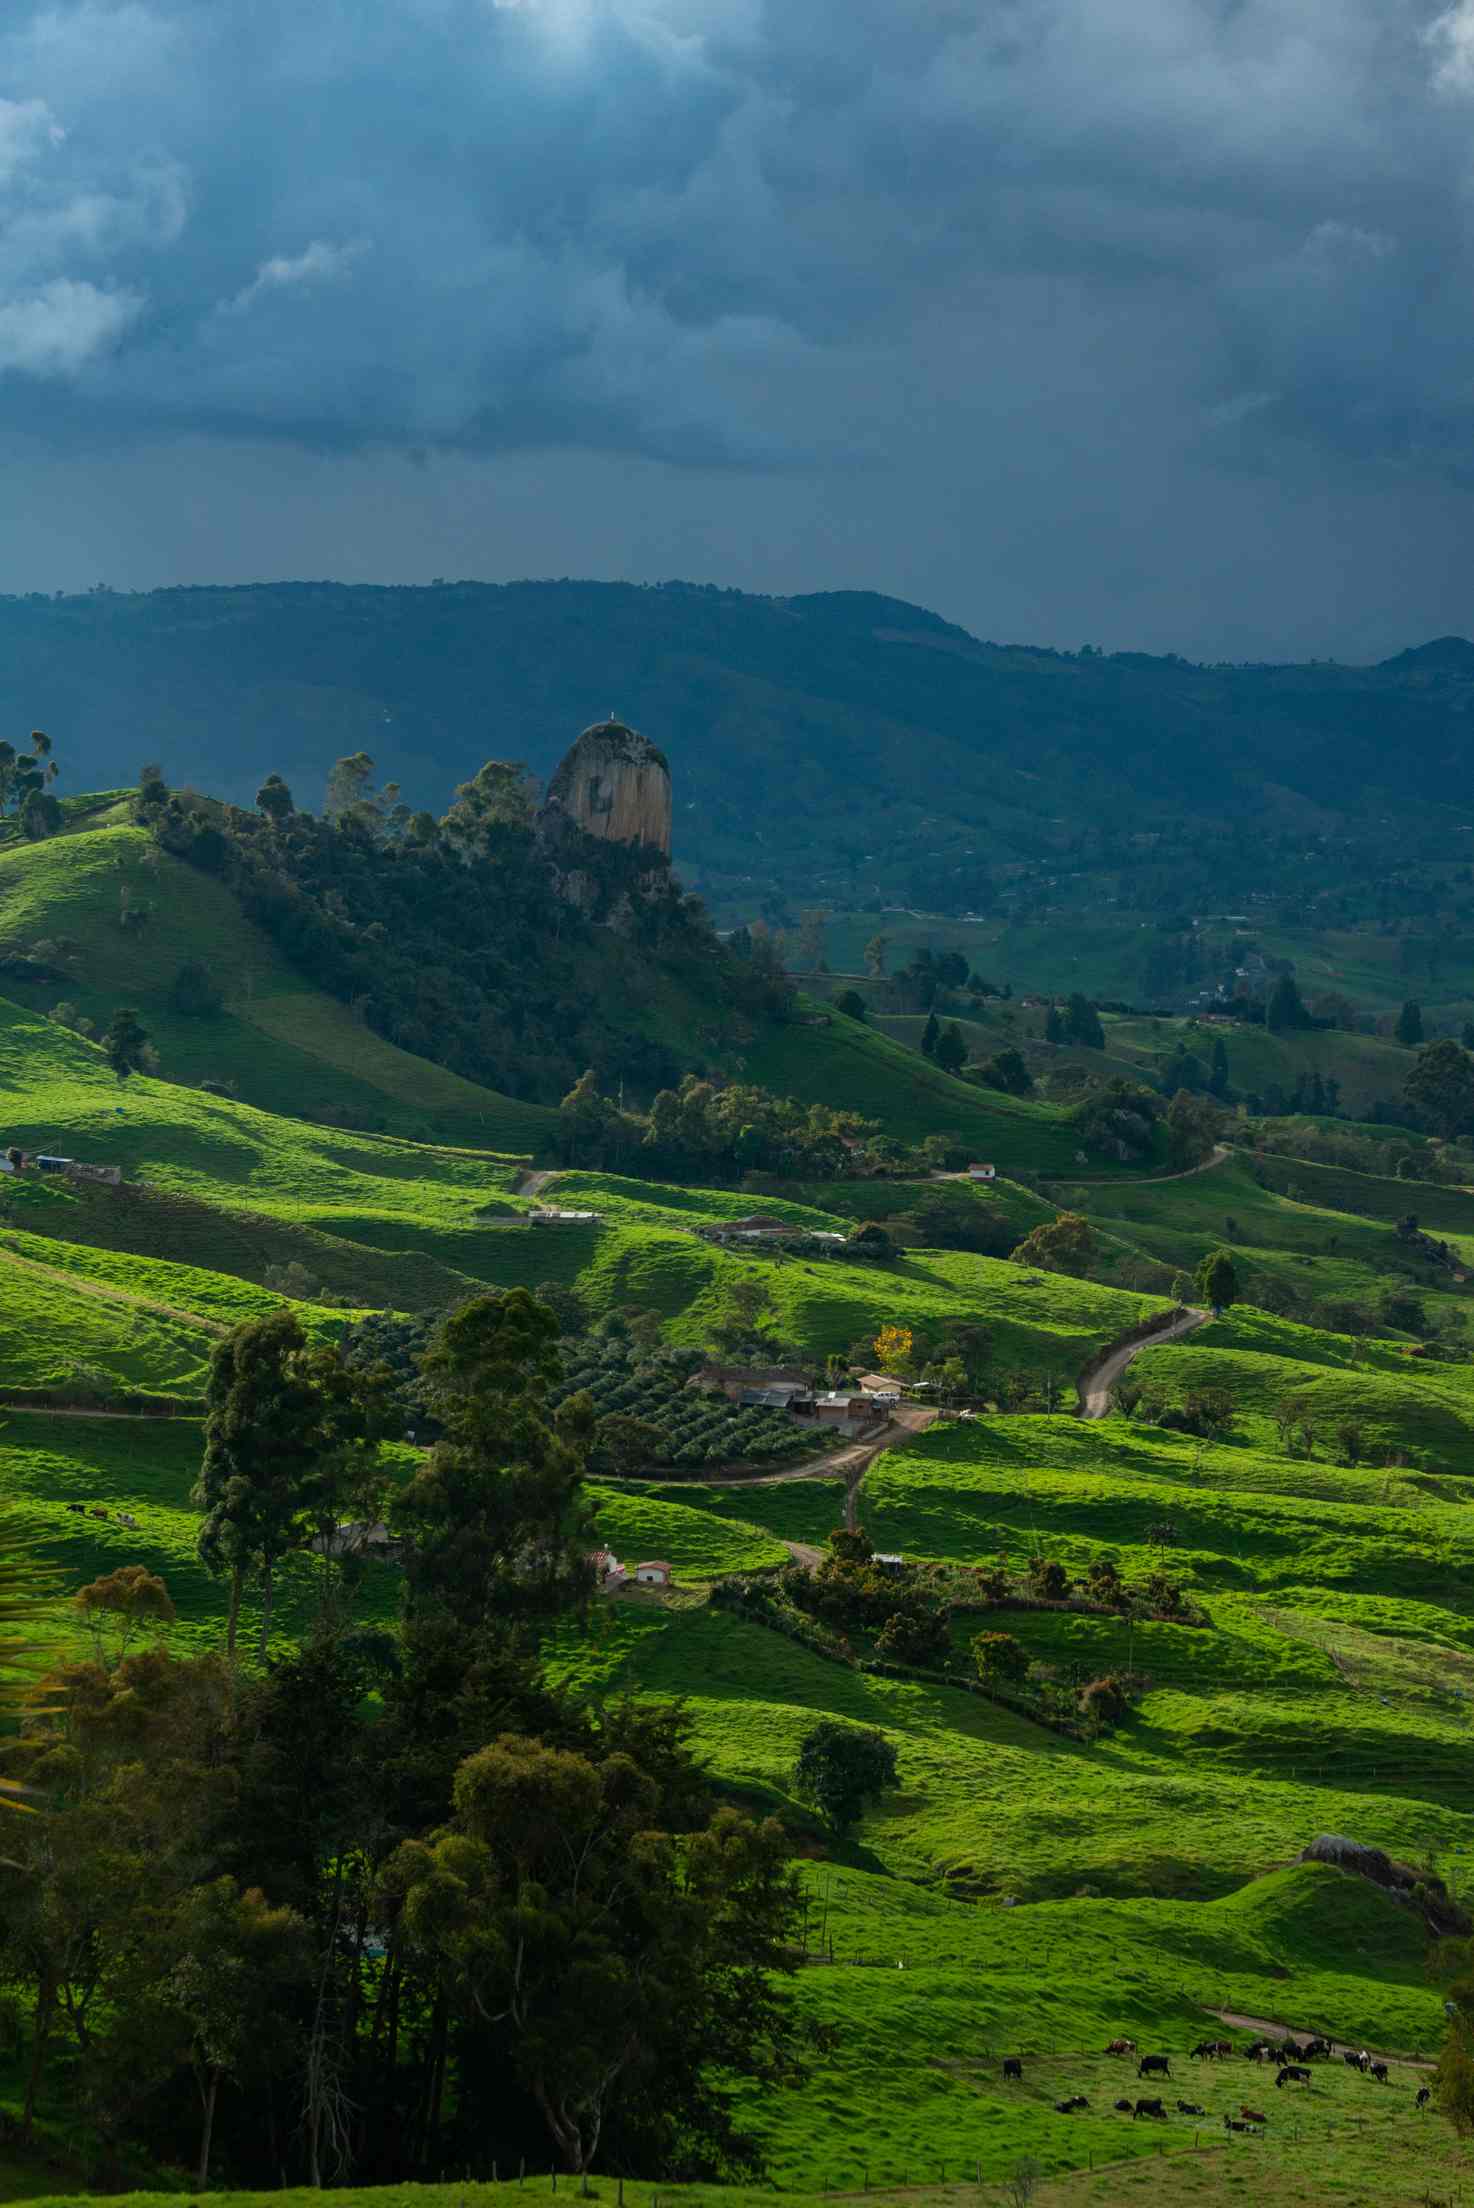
x: 1095, y: 1392
x: 849, y: 1465
x: 805, y: 1553
x: 1273, y: 2030
x: 103, y: 1292
x: 59, y: 1410
x: 532, y: 1183
x: 1220, y: 1154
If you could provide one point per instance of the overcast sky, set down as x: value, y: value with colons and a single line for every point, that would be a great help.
x: 1082, y: 321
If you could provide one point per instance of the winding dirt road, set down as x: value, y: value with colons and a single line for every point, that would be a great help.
x: 532, y: 1183
x: 1095, y: 1388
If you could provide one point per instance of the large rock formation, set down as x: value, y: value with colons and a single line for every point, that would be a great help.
x: 614, y: 784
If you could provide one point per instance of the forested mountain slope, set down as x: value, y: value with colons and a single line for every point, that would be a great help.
x: 838, y: 745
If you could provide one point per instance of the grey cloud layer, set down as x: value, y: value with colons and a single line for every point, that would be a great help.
x: 740, y: 231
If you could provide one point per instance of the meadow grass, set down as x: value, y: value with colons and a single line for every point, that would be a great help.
x: 284, y: 1043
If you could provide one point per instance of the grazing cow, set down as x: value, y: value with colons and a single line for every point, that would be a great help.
x: 1315, y: 2050
x: 1234, y: 2123
x: 1252, y: 2115
x: 126, y: 1518
x: 97, y: 1511
x: 1352, y: 2062
x: 79, y: 1507
x: 1225, y: 2048
x: 1149, y: 2108
x: 1260, y: 2049
x: 1293, y: 2073
x: 1378, y: 2070
x: 1121, y: 2047
x: 1425, y: 2095
x: 1205, y: 2051
x: 1012, y: 2068
x: 1067, y: 2108
x: 1124, y: 2107
x: 1190, y: 2108
x: 1154, y: 2066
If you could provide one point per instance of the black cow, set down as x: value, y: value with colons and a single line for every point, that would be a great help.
x: 1149, y: 2108
x: 1205, y: 2051
x: 1012, y: 2068
x: 79, y: 1507
x: 1067, y: 2108
x: 1293, y: 2073
x: 1378, y: 2070
x: 1124, y: 2107
x: 1154, y: 2066
x: 1190, y: 2108
x: 1315, y: 2050
x: 1235, y: 2123
x: 1425, y: 2095
x: 1259, y: 2051
x: 1352, y: 2062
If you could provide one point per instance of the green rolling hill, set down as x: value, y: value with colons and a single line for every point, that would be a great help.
x: 1150, y: 1871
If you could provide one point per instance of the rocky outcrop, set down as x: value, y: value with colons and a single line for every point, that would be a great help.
x: 613, y: 784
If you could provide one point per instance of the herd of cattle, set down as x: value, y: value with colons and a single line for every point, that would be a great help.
x: 95, y: 1510
x: 1292, y: 2059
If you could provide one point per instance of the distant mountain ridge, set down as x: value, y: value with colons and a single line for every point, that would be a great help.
x: 831, y: 748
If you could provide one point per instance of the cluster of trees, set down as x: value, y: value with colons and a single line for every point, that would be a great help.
x: 461, y: 938
x: 707, y: 1131
x: 390, y: 1901
x: 1076, y: 1022
x: 25, y: 787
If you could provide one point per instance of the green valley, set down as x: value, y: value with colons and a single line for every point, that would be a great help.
x: 828, y: 1392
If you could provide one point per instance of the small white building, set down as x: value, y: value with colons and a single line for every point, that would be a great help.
x: 554, y: 1215
x: 608, y: 1571
x: 982, y: 1172
x: 656, y: 1574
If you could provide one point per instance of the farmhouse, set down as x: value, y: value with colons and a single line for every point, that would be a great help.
x: 840, y: 1409
x: 608, y: 1571
x: 358, y: 1537
x: 736, y: 1381
x: 884, y: 1392
x: 657, y: 1574
x: 982, y: 1172
x: 760, y: 1228
x: 782, y: 1397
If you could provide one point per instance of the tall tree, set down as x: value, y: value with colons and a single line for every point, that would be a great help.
x: 1285, y: 1010
x: 24, y: 775
x: 126, y: 1043
x: 498, y: 1526
x: 290, y: 1432
x: 1439, y: 1092
x: 950, y: 1052
x: 931, y: 1035
x: 1082, y: 1023
x: 1410, y: 1024
x: 1217, y: 1280
x: 1065, y: 1244
x: 1218, y: 1070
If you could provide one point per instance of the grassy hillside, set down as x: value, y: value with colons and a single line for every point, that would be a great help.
x: 847, y: 1063
x: 285, y: 1045
x: 1153, y: 1871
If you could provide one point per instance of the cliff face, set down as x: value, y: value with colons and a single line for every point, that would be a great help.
x: 615, y: 784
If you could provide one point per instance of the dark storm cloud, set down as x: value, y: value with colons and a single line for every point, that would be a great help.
x: 726, y: 232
